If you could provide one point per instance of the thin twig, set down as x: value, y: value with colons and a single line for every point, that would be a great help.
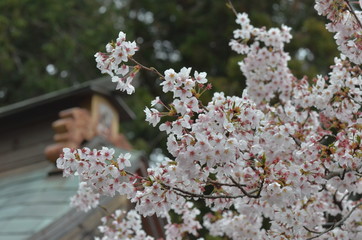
x: 260, y: 188
x: 104, y: 209
x: 248, y: 194
x: 206, y: 196
x: 213, y: 182
x: 231, y: 6
x: 297, y: 141
x: 152, y: 69
x: 319, y: 233
x: 341, y: 172
x: 185, y: 193
x: 306, y: 119
x: 353, y: 13
x: 134, y: 175
x: 334, y: 225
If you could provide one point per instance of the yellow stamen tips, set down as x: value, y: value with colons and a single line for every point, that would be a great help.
x: 172, y: 112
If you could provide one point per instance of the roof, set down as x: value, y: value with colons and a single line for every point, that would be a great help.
x: 34, y: 205
x: 64, y: 98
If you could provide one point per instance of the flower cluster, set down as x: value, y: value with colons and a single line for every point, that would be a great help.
x: 122, y: 226
x: 346, y: 23
x: 85, y: 199
x: 265, y: 66
x: 97, y: 169
x: 283, y: 161
x: 188, y: 224
x: 338, y: 95
x: 186, y: 93
x: 102, y: 173
x: 113, y: 62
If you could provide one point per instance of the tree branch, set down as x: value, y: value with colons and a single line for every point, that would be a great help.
x: 353, y: 13
x: 248, y: 194
x: 341, y: 172
x: 213, y: 182
x: 334, y: 225
x: 230, y: 5
x: 151, y: 69
x: 189, y: 194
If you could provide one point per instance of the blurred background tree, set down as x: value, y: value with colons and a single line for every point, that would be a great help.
x: 48, y: 45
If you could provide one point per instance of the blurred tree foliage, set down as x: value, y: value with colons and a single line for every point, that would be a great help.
x: 48, y: 45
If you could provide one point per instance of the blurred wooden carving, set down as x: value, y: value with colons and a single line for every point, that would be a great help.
x: 79, y: 125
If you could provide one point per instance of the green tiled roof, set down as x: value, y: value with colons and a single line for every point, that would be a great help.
x: 34, y: 205
x: 31, y: 200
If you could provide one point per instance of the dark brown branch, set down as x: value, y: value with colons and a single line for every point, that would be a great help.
x: 194, y: 195
x: 334, y: 225
x: 307, y: 118
x: 260, y: 188
x: 319, y: 233
x: 350, y: 9
x: 341, y: 173
x: 336, y: 202
x: 185, y: 193
x: 248, y: 194
x: 216, y: 183
x: 296, y: 140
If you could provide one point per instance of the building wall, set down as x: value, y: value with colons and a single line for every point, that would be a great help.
x: 24, y: 145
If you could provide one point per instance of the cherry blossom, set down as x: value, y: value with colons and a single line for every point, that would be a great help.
x: 123, y: 161
x: 346, y: 23
x: 110, y: 62
x: 85, y: 199
x: 281, y: 161
x: 123, y: 226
